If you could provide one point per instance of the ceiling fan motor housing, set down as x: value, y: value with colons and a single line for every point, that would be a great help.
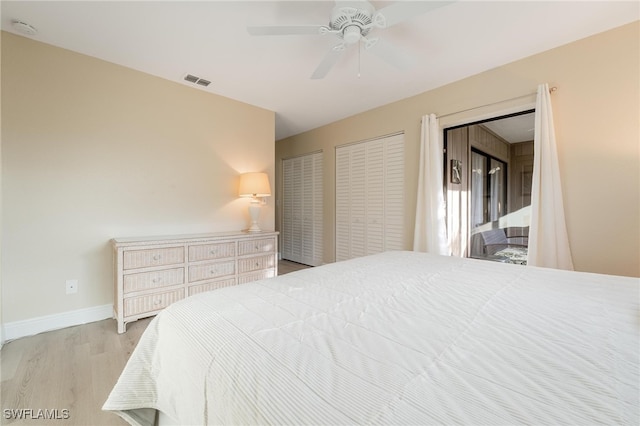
x: 352, y: 21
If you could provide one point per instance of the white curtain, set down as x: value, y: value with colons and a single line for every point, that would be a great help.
x: 548, y: 238
x: 430, y: 234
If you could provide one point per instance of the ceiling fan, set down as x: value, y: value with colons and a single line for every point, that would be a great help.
x: 351, y: 22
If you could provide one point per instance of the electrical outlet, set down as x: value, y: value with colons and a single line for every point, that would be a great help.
x: 72, y: 286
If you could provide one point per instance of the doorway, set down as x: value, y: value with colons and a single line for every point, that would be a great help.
x: 488, y: 192
x: 488, y: 171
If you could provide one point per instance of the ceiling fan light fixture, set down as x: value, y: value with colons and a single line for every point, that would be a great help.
x: 351, y: 34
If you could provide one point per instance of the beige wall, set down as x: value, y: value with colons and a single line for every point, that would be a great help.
x: 92, y: 151
x: 2, y: 338
x: 597, y: 118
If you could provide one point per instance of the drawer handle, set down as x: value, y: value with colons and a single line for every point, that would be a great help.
x: 156, y: 280
x: 157, y: 302
x: 213, y: 271
x: 257, y: 247
x: 213, y: 252
x: 257, y: 263
x: 157, y: 257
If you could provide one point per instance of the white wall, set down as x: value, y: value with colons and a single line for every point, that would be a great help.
x: 92, y: 151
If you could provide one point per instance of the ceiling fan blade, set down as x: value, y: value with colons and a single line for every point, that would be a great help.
x: 390, y: 54
x: 402, y: 10
x: 287, y: 30
x: 328, y: 62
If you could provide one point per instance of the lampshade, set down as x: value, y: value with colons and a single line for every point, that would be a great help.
x: 254, y: 185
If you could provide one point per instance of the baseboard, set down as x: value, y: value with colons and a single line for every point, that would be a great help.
x: 17, y: 329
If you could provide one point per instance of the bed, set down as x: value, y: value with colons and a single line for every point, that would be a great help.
x: 393, y: 338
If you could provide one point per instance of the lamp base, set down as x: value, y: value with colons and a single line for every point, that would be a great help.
x: 254, y: 212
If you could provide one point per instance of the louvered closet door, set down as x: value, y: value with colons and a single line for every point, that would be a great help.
x: 374, y: 197
x: 357, y: 199
x: 394, y: 203
x: 302, y: 226
x: 343, y: 213
x: 286, y: 234
x: 370, y: 197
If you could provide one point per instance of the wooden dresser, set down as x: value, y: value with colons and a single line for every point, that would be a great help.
x: 153, y: 272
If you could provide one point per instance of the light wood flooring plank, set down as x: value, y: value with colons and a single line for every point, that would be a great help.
x: 286, y: 266
x: 71, y: 369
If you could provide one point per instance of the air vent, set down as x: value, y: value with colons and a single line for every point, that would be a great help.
x: 197, y: 80
x: 191, y: 78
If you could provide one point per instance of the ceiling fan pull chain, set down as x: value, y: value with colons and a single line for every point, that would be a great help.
x: 359, y: 52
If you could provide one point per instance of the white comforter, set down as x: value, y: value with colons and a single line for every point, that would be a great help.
x: 395, y: 338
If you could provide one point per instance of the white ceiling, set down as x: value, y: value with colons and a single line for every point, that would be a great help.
x: 514, y: 129
x: 209, y: 39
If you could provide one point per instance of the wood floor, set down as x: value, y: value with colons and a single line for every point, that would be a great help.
x: 72, y: 369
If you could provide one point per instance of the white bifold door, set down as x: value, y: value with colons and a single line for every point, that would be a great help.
x: 301, y: 234
x: 370, y: 197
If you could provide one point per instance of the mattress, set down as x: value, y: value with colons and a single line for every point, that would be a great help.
x: 394, y: 338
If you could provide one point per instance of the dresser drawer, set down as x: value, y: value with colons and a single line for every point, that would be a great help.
x: 256, y: 263
x: 154, y: 279
x: 152, y: 257
x: 263, y: 245
x: 211, y: 251
x: 211, y: 270
x: 201, y: 288
x: 152, y: 302
x: 255, y: 276
x: 150, y: 273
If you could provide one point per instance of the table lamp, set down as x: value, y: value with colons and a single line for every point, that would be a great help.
x: 254, y: 185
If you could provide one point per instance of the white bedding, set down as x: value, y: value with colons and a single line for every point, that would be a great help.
x: 395, y: 338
